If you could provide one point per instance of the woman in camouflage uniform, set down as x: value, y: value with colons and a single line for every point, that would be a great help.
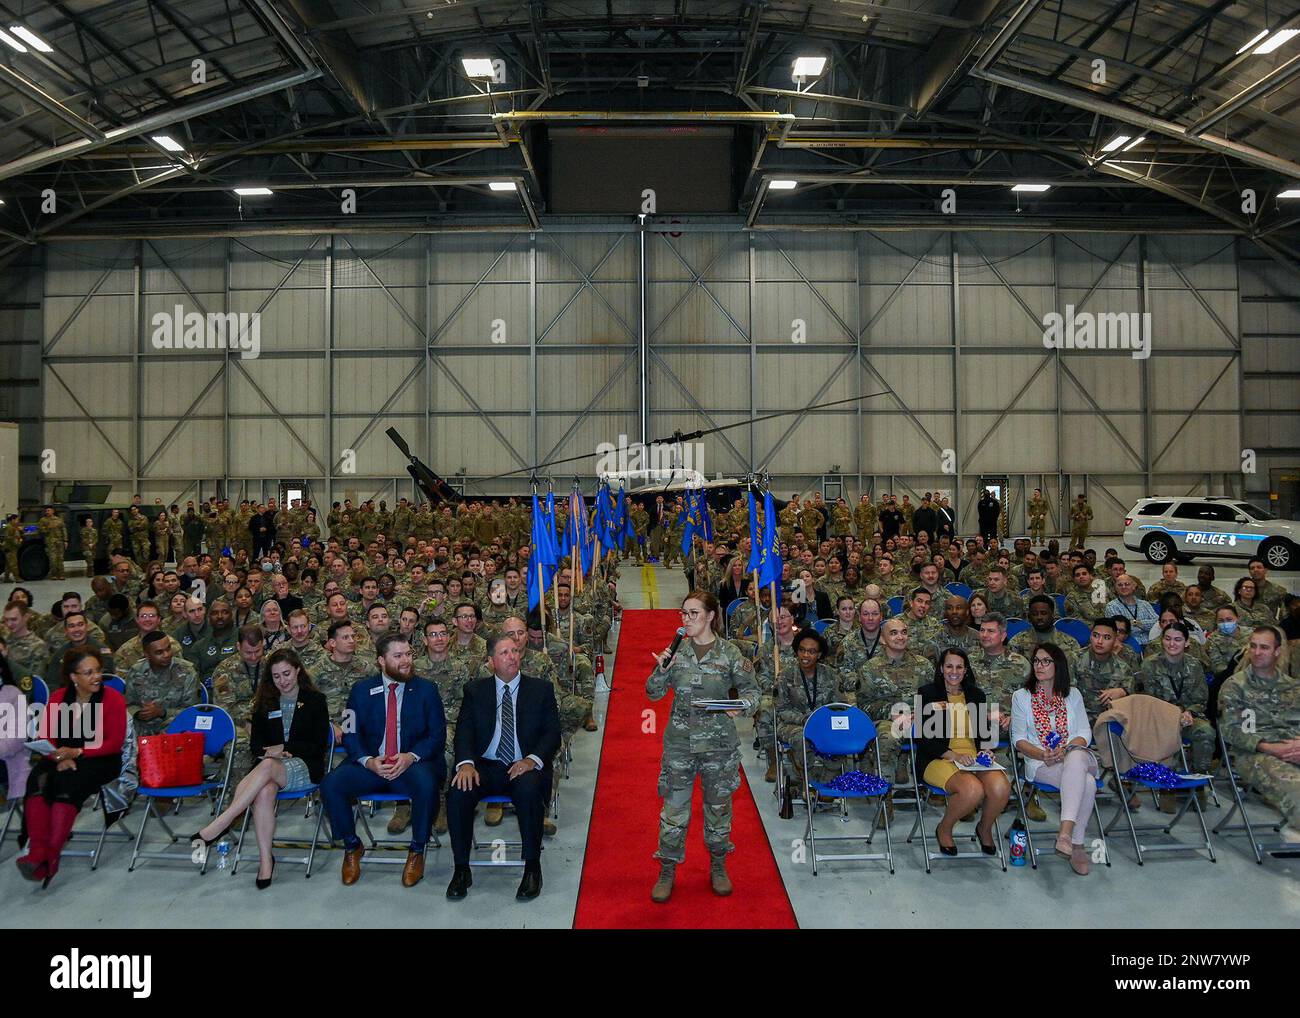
x: 699, y: 742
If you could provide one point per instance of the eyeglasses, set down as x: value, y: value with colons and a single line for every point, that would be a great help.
x: 1043, y: 661
x: 693, y: 613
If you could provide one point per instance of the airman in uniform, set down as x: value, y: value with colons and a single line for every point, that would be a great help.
x: 162, y: 536
x: 864, y: 518
x: 1038, y: 517
x: 159, y: 686
x: 700, y: 742
x: 51, y: 527
x: 12, y: 534
x: 114, y: 532
x: 1080, y: 516
x: 1176, y: 677
x: 89, y: 544
x: 233, y: 683
x: 138, y: 525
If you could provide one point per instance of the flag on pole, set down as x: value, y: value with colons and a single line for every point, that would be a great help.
x: 542, y: 561
x: 769, y: 570
x: 695, y: 516
x: 755, y: 536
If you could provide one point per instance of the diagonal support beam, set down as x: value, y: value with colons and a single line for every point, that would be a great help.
x: 800, y: 418
x: 1102, y: 415
x: 695, y: 405
x: 183, y: 419
x: 89, y: 416
x: 1231, y: 362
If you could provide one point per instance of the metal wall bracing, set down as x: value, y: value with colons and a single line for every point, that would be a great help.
x: 493, y: 351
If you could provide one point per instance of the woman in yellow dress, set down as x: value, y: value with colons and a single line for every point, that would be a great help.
x: 954, y: 715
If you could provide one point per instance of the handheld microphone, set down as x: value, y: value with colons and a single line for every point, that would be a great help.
x: 677, y: 642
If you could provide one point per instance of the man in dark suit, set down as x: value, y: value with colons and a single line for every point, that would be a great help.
x: 507, y: 734
x: 395, y: 733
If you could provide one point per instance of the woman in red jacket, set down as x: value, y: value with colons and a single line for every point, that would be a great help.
x: 86, y: 723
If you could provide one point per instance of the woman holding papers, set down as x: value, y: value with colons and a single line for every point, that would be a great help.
x: 1049, y: 727
x: 85, y: 723
x: 699, y: 666
x: 953, y: 717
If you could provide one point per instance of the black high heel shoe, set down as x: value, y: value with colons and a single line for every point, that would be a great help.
x: 208, y: 843
x: 987, y: 849
x: 942, y: 847
x: 262, y: 885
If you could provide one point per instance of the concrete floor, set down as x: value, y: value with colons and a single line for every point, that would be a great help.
x: 850, y: 895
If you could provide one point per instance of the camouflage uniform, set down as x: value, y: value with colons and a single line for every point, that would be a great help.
x: 207, y: 653
x: 12, y: 534
x: 311, y: 654
x: 1091, y: 675
x: 173, y: 689
x: 138, y: 525
x: 1274, y: 707
x: 796, y: 698
x: 923, y: 635
x: 1007, y: 604
x: 1038, y: 520
x: 698, y: 742
x: 999, y: 676
x: 1080, y: 515
x: 56, y: 540
x: 162, y: 536
x: 233, y: 685
x: 1271, y: 594
x: 27, y: 656
x: 1158, y: 589
x: 1220, y: 649
x: 1182, y: 683
x: 1080, y: 604
x: 864, y: 519
x: 877, y: 686
x: 133, y: 651
x: 1213, y: 598
x: 450, y: 677
x: 113, y: 533
x: 472, y: 655
x: 1024, y: 642
x: 89, y: 543
x: 336, y: 681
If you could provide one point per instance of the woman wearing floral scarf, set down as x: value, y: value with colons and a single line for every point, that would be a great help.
x: 1049, y: 727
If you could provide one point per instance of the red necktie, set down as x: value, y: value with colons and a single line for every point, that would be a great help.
x: 390, y: 723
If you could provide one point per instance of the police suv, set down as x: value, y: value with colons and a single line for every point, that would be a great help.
x: 1165, y: 527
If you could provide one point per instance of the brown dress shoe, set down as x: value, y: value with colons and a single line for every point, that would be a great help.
x: 413, y: 871
x: 352, y: 865
x: 589, y: 722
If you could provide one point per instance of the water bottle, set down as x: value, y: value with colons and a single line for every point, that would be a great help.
x: 223, y: 853
x: 600, y: 665
x: 1019, y: 843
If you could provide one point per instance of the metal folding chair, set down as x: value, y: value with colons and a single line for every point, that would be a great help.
x: 1043, y: 788
x: 819, y: 625
x: 959, y: 589
x: 116, y: 682
x: 1241, y: 793
x: 843, y: 731
x: 218, y: 731
x: 1186, y: 788
x: 310, y: 792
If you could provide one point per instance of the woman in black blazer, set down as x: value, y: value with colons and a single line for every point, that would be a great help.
x: 736, y: 584
x: 290, y: 738
x: 955, y: 725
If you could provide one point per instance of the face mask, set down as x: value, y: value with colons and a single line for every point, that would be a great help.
x: 1227, y: 628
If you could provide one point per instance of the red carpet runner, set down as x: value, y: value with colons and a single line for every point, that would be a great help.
x: 620, y: 869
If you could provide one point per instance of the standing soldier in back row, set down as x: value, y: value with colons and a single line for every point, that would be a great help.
x: 864, y: 518
x: 1038, y: 517
x: 138, y: 525
x: 51, y: 528
x: 89, y: 543
x: 11, y: 539
x: 1079, y: 517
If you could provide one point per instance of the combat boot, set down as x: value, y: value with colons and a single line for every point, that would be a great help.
x: 770, y: 776
x: 663, y: 888
x: 718, y: 876
x: 401, y: 819
x: 1033, y: 810
x: 886, y: 813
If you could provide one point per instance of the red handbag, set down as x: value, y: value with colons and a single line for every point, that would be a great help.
x: 170, y: 761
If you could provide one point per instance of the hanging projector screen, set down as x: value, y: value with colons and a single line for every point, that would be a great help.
x: 604, y: 170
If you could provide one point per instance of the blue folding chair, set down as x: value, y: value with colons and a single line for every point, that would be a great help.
x: 115, y: 682
x: 310, y: 792
x: 1132, y: 644
x: 1241, y: 793
x: 203, y: 694
x: 819, y: 625
x: 1185, y: 788
x: 1024, y: 594
x: 959, y: 589
x: 218, y: 731
x: 1043, y: 788
x: 1073, y: 627
x: 839, y: 730
x: 40, y: 691
x: 1060, y: 603
x: 895, y: 605
x: 1015, y: 626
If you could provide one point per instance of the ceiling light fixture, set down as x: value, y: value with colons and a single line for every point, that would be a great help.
x: 1032, y: 188
x: 168, y: 142
x: 477, y: 67
x: 808, y: 67
x: 253, y: 192
x: 31, y: 38
x: 11, y: 42
x: 1117, y: 142
x: 781, y: 185
x: 502, y: 185
x: 1293, y: 192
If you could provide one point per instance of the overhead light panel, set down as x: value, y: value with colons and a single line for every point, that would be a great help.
x: 808, y: 67
x: 252, y: 192
x: 1032, y: 188
x: 1293, y: 192
x: 503, y: 185
x: 781, y: 185
x: 1278, y: 38
x: 168, y: 142
x: 31, y: 38
x: 477, y: 67
x: 1135, y: 143
x: 11, y: 42
x: 1117, y: 142
x: 1267, y: 42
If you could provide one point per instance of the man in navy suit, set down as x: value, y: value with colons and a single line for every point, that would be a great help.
x: 507, y: 734
x: 395, y: 732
